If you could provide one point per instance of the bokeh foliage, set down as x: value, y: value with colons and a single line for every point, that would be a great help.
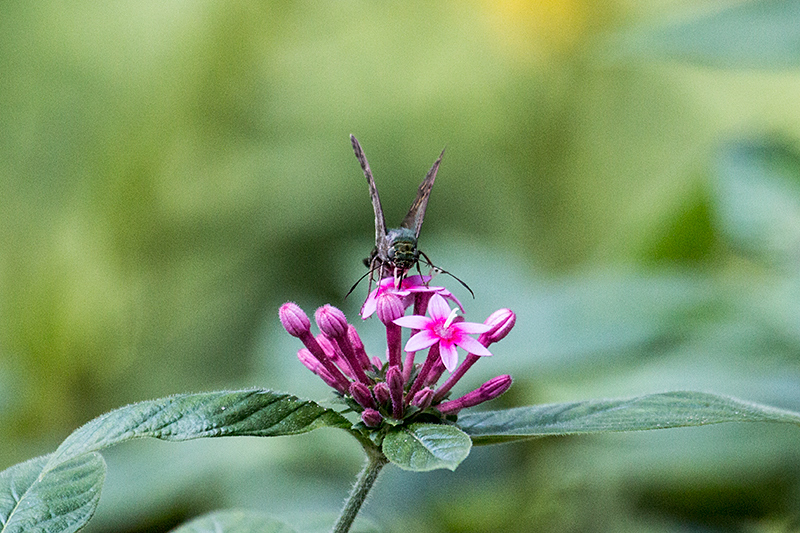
x: 625, y: 175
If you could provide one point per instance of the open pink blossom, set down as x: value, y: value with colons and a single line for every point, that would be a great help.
x: 402, y: 390
x: 442, y: 328
x: 410, y: 285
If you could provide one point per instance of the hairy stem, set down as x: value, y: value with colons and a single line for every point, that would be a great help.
x: 375, y: 462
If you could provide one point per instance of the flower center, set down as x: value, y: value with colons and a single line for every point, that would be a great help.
x: 442, y: 329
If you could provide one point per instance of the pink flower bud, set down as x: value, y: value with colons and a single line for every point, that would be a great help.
x: 501, y: 322
x: 390, y: 307
x: 316, y: 367
x: 298, y: 325
x: 488, y: 391
x: 294, y: 320
x: 381, y: 392
x: 423, y: 398
x: 331, y: 321
x: 371, y: 418
x: 494, y: 388
x: 308, y: 360
x: 361, y: 394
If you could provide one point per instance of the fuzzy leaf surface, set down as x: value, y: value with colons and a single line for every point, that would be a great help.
x: 424, y: 447
x: 62, y: 501
x: 260, y: 413
x: 652, y: 411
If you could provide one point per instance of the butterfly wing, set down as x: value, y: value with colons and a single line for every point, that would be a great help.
x: 380, y: 222
x: 416, y: 214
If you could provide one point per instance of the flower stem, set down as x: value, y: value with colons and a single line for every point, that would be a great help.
x: 375, y: 462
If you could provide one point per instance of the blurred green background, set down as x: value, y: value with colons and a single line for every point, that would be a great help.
x: 625, y: 175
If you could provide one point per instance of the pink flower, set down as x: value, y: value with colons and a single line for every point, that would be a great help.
x: 442, y: 328
x: 411, y: 285
x: 400, y: 391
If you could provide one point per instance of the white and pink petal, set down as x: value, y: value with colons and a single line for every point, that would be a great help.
x: 472, y: 346
x: 420, y: 341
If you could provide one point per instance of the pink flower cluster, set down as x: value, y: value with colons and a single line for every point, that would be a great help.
x: 400, y: 387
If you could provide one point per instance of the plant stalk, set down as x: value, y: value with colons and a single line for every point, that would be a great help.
x: 375, y: 462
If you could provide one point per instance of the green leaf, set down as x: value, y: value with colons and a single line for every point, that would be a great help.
x: 260, y: 413
x: 62, y: 501
x: 652, y: 411
x: 59, y: 492
x: 758, y: 199
x: 423, y: 447
x: 234, y: 521
x: 756, y: 34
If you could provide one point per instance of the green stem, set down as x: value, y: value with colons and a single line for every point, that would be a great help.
x: 375, y: 462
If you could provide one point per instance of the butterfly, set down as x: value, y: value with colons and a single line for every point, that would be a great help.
x: 396, y: 251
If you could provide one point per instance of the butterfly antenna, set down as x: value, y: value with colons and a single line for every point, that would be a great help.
x: 443, y: 271
x: 357, y: 282
x: 458, y: 280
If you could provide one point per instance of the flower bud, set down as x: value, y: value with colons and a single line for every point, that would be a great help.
x: 494, y: 388
x: 308, y: 360
x: 361, y: 394
x: 311, y: 362
x: 371, y: 418
x: 390, y: 308
x: 294, y: 319
x: 331, y: 321
x: 297, y: 324
x: 501, y: 322
x: 381, y: 392
x: 488, y: 391
x: 423, y: 398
